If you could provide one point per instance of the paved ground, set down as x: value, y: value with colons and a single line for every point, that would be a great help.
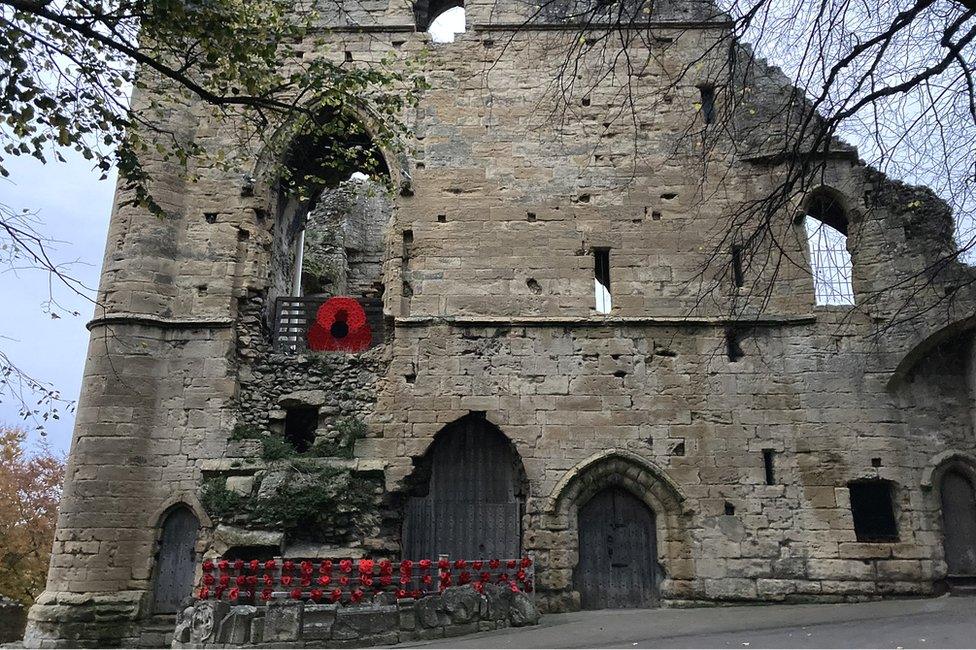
x: 932, y: 623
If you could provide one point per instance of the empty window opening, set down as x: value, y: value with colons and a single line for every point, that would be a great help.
x: 875, y: 462
x: 530, y: 216
x: 825, y: 224
x: 447, y: 25
x: 872, y: 508
x: 729, y: 509
x: 738, y: 276
x: 768, y: 466
x: 210, y: 217
x: 301, y: 422
x: 534, y: 286
x: 601, y: 279
x: 348, y: 56
x: 707, y: 103
x: 678, y: 449
x: 733, y: 345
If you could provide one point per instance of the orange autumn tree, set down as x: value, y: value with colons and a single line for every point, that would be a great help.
x: 30, y: 489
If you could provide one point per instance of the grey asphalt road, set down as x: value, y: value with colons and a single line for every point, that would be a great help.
x: 930, y: 623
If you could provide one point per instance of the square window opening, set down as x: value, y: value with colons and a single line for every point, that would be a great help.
x: 872, y: 507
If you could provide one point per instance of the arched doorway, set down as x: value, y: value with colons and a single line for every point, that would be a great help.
x: 618, y: 564
x: 467, y: 500
x: 175, y: 560
x: 959, y: 524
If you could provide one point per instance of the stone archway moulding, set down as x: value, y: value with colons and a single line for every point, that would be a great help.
x: 185, y: 499
x: 949, y: 459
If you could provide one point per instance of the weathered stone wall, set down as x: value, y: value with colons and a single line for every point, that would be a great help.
x: 489, y: 290
x: 13, y: 619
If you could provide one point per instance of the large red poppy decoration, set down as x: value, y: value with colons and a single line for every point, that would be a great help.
x: 340, y: 325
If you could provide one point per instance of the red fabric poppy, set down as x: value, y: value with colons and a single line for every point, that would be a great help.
x: 503, y: 577
x: 204, y: 593
x: 234, y: 593
x: 223, y: 565
x: 427, y: 579
x: 464, y: 578
x: 252, y: 581
x: 316, y: 595
x: 425, y: 564
x: 365, y: 566
x: 526, y: 562
x: 479, y: 586
x: 345, y: 566
x: 296, y: 593
x: 287, y: 565
x: 401, y: 593
x: 286, y: 581
x: 406, y: 566
x: 386, y: 568
x: 366, y: 580
x: 386, y: 581
x: 404, y: 580
x: 335, y: 595
x: 238, y: 565
x: 218, y: 593
x: 240, y: 581
x: 445, y: 579
x: 224, y: 580
x: 208, y: 565
x: 521, y: 574
x: 477, y: 564
x: 270, y: 564
x: 208, y: 579
x: 266, y: 594
x: 460, y: 564
x: 416, y: 593
x: 306, y: 581
x: 513, y: 587
x: 485, y: 576
x: 255, y: 565
x: 357, y: 595
x: 344, y: 581
x: 306, y: 566
x: 324, y: 580
x: 512, y: 564
x: 340, y: 325
x: 494, y: 564
x: 326, y: 566
x: 268, y: 580
x: 443, y: 565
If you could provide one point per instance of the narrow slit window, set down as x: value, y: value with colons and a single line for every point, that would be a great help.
x: 873, y: 511
x: 707, y: 103
x: 768, y: 466
x: 738, y: 277
x: 733, y: 345
x: 601, y: 279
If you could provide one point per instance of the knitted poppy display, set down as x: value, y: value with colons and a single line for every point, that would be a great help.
x: 340, y: 325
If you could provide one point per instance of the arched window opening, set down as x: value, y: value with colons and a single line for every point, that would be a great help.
x: 333, y: 211
x: 175, y: 560
x: 825, y: 227
x: 447, y: 25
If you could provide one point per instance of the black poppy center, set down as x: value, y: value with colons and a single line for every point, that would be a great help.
x: 340, y: 328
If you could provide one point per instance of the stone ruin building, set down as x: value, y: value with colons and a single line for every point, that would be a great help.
x: 536, y: 370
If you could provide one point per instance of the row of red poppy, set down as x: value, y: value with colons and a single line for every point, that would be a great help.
x: 364, y: 566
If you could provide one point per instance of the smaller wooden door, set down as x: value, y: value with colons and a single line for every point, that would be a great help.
x: 618, y: 552
x: 175, y: 561
x: 959, y: 524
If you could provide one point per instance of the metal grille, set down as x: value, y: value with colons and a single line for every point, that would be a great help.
x: 294, y: 316
x: 830, y: 263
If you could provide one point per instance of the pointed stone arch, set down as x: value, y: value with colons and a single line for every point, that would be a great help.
x: 645, y: 480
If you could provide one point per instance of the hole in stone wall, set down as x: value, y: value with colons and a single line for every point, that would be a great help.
x: 655, y: 216
x: 733, y: 345
x: 300, y: 425
x: 210, y: 217
x: 243, y: 235
x: 707, y: 103
x: 678, y: 449
x: 667, y: 196
x: 620, y: 374
x: 348, y: 56
x: 442, y: 218
x: 530, y: 216
x: 729, y: 509
x: 407, y: 291
x: 738, y: 277
x: 872, y: 508
x: 875, y: 462
x: 768, y: 466
x: 421, y: 165
x: 586, y: 101
x: 533, y: 286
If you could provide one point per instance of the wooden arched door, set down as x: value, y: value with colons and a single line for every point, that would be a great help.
x: 618, y: 565
x: 959, y: 524
x: 175, y: 560
x: 469, y: 506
